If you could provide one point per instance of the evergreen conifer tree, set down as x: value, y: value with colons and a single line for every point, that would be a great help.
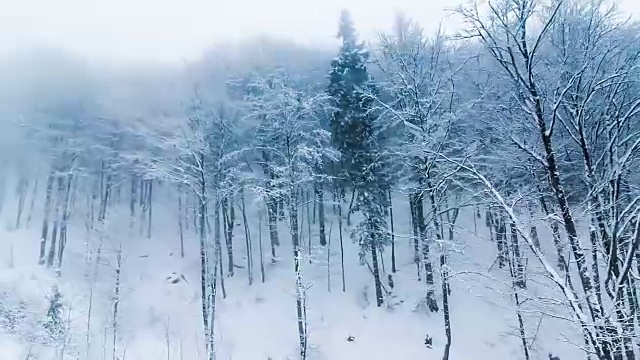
x: 356, y: 136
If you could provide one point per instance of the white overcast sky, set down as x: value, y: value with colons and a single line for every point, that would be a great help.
x: 173, y: 30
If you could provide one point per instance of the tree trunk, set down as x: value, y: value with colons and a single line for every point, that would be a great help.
x: 416, y: 236
x: 432, y: 303
x: 260, y: 246
x: 116, y: 302
x: 300, y: 289
x: 218, y: 244
x: 319, y: 191
x: 273, y: 226
x: 23, y: 185
x: 344, y: 287
x: 534, y: 230
x: 393, y: 235
x: 445, y: 304
x: 65, y: 219
x: 207, y: 294
x: 308, y: 201
x: 247, y: 238
x: 180, y: 221
x: 562, y: 263
x: 501, y: 235
x: 228, y: 219
x: 34, y: 194
x: 56, y: 223
x: 376, y: 270
x: 520, y: 280
x: 350, y: 211
x: 45, y: 220
x: 150, y: 207
x: 602, y: 347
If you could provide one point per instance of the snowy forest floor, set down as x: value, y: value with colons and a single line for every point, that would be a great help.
x: 160, y: 316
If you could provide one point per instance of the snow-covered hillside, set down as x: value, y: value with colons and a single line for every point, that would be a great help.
x: 160, y: 315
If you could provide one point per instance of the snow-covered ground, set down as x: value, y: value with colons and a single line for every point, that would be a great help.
x: 160, y: 319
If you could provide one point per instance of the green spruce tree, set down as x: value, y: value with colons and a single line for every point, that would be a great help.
x: 356, y: 135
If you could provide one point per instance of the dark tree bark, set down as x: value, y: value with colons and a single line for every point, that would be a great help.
x: 432, y: 303
x: 228, y: 217
x: 562, y: 263
x: 247, y: 237
x: 218, y: 244
x: 376, y: 272
x: 344, y: 287
x: 445, y: 304
x: 393, y: 235
x: 273, y: 227
x: 350, y: 210
x: 416, y: 236
x: 260, y: 247
x: 520, y: 280
x: 319, y: 195
x: 501, y: 235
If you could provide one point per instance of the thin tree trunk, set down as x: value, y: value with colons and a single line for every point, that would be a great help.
x: 218, y: 243
x: 56, y: 223
x: 116, y: 301
x: 562, y: 263
x: 350, y: 211
x: 34, y: 194
x: 23, y: 185
x: 247, y: 237
x: 273, y: 226
x: 534, y: 229
x: 260, y: 245
x: 416, y: 237
x: 519, y: 266
x: 300, y: 289
x: 445, y: 304
x: 319, y: 192
x: 65, y: 219
x: 329, y: 258
x: 45, y: 220
x: 144, y: 205
x: 432, y: 303
x: 228, y: 222
x: 501, y: 234
x: 344, y: 287
x: 308, y: 201
x: 150, y: 207
x: 393, y: 235
x: 376, y: 272
x: 180, y: 222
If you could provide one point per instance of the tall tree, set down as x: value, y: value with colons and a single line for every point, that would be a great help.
x: 356, y: 135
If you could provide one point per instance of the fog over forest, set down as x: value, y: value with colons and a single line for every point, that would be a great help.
x: 459, y: 183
